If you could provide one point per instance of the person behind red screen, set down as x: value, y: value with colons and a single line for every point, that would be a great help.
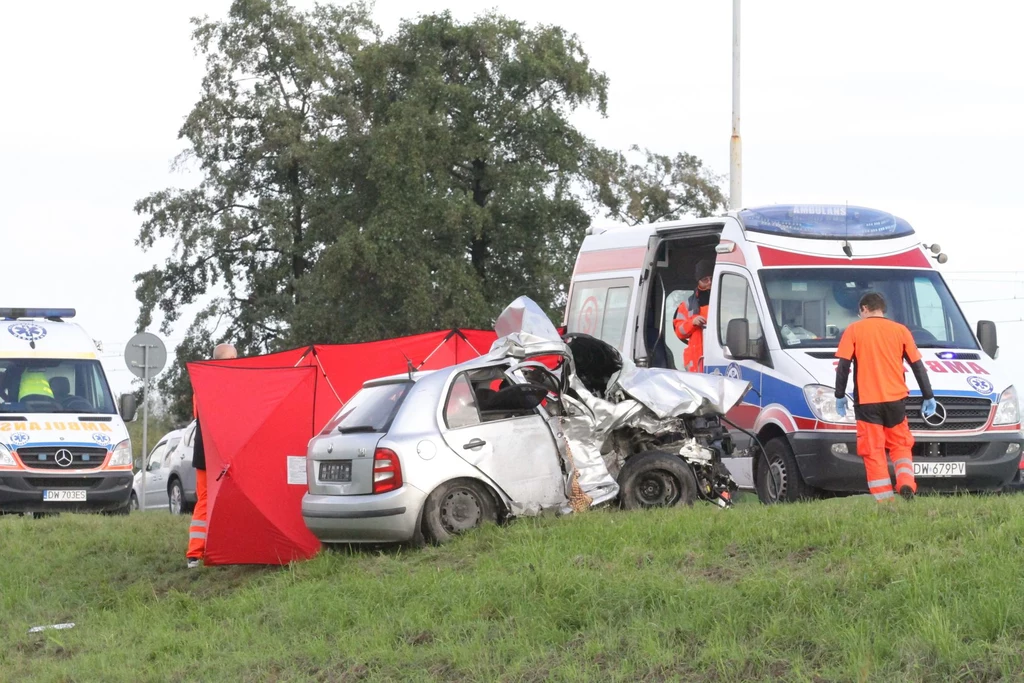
x: 197, y: 529
x: 877, y: 348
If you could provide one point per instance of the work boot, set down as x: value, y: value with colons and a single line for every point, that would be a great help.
x: 193, y: 562
x: 907, y: 492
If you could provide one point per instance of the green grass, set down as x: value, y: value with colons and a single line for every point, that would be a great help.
x: 835, y: 590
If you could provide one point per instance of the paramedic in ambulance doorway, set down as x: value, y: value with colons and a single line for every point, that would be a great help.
x: 197, y: 530
x: 692, y: 317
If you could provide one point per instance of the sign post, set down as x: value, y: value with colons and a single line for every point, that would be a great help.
x: 145, y: 356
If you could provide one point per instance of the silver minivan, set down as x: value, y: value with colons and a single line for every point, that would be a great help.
x: 157, y: 467
x: 181, y: 476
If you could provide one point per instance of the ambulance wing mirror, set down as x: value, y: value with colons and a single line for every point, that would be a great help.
x: 737, y: 338
x: 987, y: 337
x: 129, y: 406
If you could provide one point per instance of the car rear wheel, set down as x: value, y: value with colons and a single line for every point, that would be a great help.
x: 176, y: 498
x: 655, y: 479
x: 456, y: 507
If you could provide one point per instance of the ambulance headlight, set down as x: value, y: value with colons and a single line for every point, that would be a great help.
x: 6, y: 458
x: 122, y: 454
x: 822, y: 401
x: 1008, y: 410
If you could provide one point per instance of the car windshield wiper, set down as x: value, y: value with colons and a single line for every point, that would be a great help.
x: 359, y: 428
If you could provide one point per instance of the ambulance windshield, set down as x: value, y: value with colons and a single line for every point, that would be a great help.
x: 29, y: 386
x: 811, y: 307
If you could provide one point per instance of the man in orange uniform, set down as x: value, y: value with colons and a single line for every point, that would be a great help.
x: 692, y: 317
x: 197, y: 530
x: 877, y: 348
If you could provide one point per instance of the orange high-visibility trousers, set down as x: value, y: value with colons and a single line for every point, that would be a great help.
x: 197, y: 531
x: 873, y: 440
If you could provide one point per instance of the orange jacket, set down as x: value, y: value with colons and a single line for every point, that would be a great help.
x: 693, y: 355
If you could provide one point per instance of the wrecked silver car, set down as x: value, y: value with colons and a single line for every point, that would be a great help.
x: 539, y: 423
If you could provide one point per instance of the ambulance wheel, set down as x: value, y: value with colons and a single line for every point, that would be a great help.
x: 778, y: 479
x: 655, y: 479
x: 455, y: 507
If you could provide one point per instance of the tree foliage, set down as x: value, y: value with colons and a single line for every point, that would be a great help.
x: 357, y: 187
x: 644, y: 187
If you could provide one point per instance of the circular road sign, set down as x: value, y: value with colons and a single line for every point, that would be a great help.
x: 145, y: 349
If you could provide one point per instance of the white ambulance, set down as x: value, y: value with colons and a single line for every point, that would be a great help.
x: 63, y: 442
x: 787, y: 282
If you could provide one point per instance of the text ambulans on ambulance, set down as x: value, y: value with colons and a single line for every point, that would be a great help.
x: 787, y: 281
x: 63, y: 444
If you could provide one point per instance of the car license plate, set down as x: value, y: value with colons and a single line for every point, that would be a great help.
x: 940, y: 469
x: 340, y: 471
x: 64, y: 495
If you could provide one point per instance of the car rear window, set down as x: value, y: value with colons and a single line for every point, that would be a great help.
x: 370, y: 410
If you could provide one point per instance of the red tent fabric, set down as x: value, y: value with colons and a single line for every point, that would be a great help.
x: 252, y: 421
x: 258, y: 412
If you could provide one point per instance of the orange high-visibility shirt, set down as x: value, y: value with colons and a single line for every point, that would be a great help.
x: 877, y: 347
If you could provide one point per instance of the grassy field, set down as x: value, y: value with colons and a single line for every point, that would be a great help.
x: 835, y: 590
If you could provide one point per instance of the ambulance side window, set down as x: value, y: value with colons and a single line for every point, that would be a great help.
x: 736, y: 301
x: 599, y: 308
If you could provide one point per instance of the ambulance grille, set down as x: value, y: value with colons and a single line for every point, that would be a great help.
x: 955, y: 449
x: 63, y: 482
x: 45, y: 457
x: 962, y: 413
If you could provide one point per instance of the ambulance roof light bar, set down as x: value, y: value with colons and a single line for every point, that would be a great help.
x: 56, y: 315
x: 824, y: 221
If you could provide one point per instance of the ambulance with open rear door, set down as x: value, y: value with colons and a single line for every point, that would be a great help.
x: 787, y: 282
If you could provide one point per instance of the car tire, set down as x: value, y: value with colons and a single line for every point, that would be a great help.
x: 133, y: 504
x: 656, y: 479
x: 176, y: 498
x: 455, y: 507
x: 778, y: 477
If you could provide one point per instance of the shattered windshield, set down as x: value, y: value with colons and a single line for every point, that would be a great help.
x: 811, y: 307
x: 31, y: 385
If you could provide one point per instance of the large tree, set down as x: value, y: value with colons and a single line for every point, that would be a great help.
x: 472, y: 161
x: 355, y: 187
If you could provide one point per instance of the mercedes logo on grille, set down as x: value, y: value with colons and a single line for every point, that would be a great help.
x: 936, y: 419
x: 63, y: 457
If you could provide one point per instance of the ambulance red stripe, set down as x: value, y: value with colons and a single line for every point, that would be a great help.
x: 912, y: 258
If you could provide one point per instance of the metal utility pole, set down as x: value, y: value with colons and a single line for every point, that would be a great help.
x: 735, y: 179
x: 145, y: 355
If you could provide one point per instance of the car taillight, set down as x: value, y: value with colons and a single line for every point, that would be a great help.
x: 387, y: 471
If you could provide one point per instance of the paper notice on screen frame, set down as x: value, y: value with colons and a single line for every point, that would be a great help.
x: 297, y: 469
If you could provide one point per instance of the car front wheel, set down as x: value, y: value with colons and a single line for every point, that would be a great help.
x: 176, y: 498
x: 656, y: 479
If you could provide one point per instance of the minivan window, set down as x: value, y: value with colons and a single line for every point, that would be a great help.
x: 37, y: 385
x: 811, y: 307
x: 370, y: 410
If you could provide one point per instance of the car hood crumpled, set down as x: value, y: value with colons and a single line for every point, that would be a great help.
x: 607, y: 393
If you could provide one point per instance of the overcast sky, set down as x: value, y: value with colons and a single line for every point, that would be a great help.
x: 912, y: 107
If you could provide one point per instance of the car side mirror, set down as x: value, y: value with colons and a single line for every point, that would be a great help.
x: 129, y: 406
x: 987, y: 337
x: 737, y: 338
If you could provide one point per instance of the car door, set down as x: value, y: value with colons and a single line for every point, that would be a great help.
x: 156, y: 479
x: 183, y: 462
x: 511, y: 444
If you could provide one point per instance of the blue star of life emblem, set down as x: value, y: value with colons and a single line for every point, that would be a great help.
x: 27, y: 331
